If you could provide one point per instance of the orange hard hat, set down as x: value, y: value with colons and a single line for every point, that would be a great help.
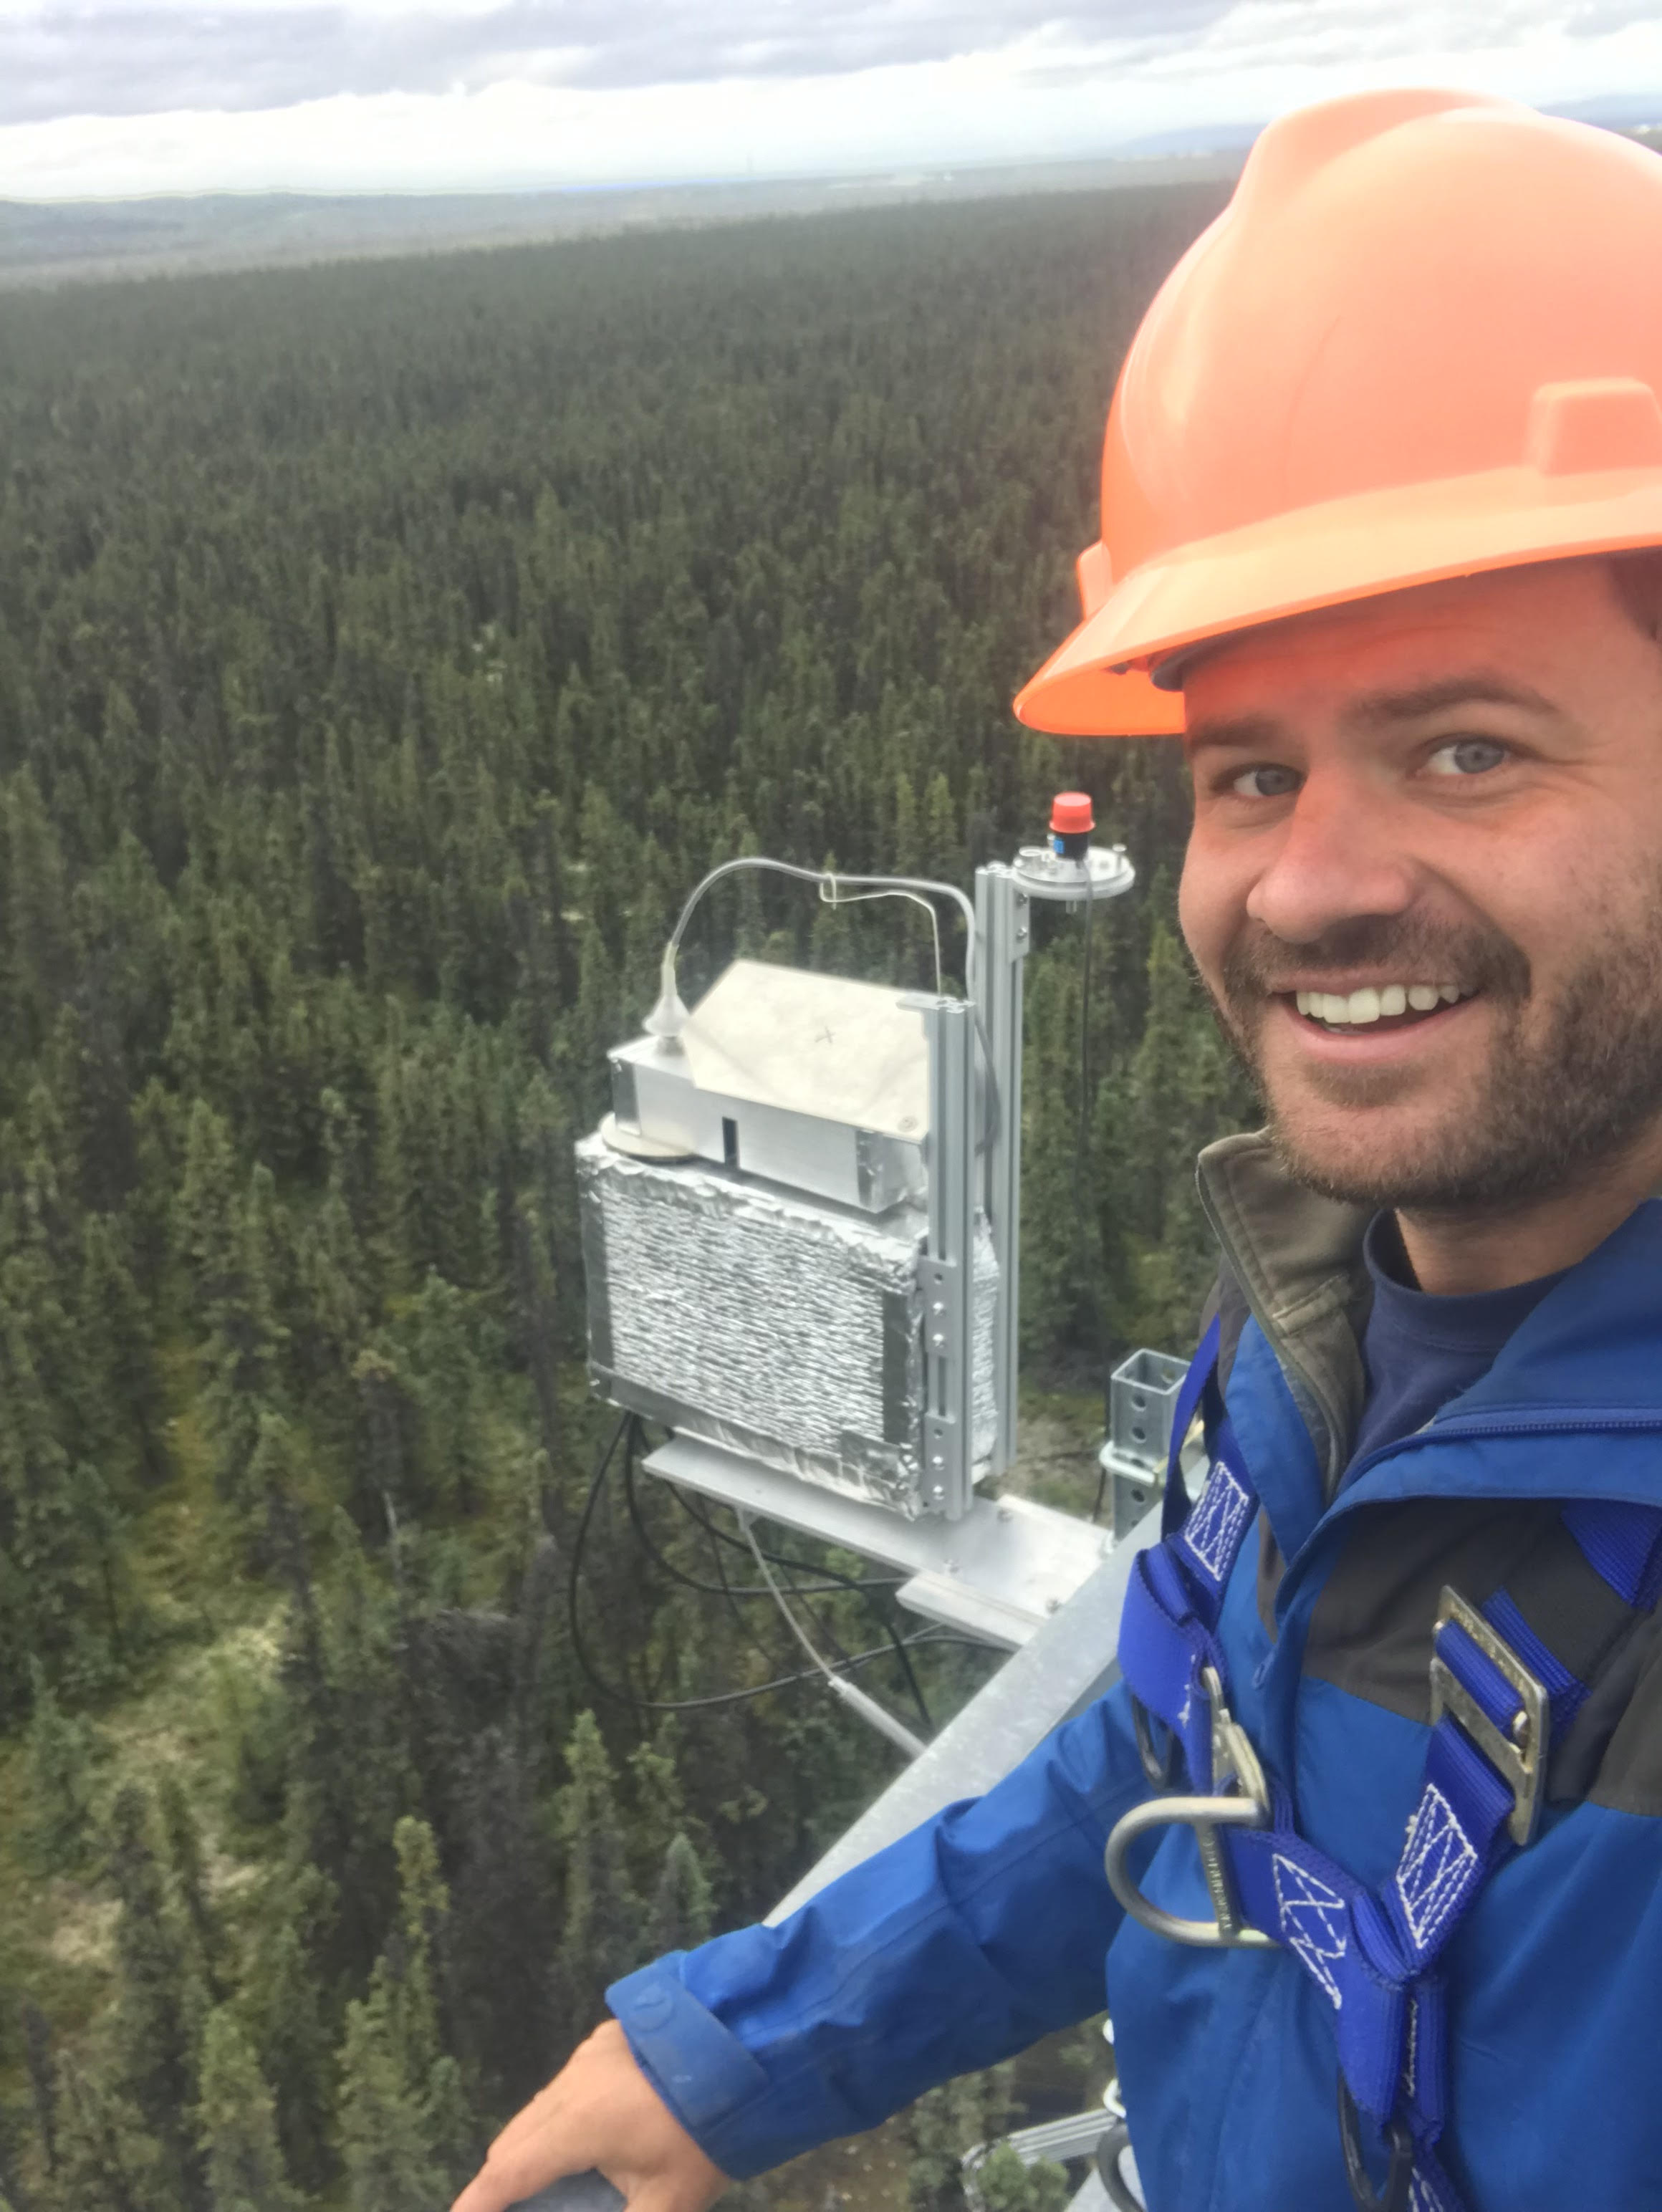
x: 1423, y: 339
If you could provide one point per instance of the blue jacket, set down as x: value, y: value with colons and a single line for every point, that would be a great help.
x: 990, y: 1926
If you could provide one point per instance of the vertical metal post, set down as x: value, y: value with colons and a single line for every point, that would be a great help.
x: 946, y: 1273
x: 1003, y: 936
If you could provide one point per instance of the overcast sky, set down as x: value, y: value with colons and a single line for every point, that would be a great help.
x: 100, y: 98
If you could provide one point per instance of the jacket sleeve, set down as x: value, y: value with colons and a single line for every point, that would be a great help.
x: 965, y: 1942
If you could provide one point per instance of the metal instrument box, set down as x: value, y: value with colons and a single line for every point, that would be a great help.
x: 812, y: 1081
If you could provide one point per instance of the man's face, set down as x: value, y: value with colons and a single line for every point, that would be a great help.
x: 1455, y: 790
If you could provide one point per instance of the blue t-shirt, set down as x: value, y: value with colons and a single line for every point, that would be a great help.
x: 1419, y: 1351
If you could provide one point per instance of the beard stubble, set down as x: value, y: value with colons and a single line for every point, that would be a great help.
x: 1548, y: 1111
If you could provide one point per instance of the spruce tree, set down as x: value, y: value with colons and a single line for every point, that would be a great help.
x: 536, y: 1315
x: 57, y: 1832
x: 384, y: 2136
x: 204, y: 1214
x: 406, y: 2128
x: 236, y: 2126
x: 190, y: 1884
x: 682, y: 1907
x: 159, y: 2005
x: 601, y: 1936
x: 108, y: 2160
x: 502, y: 1929
x: 439, y: 1331
x: 659, y: 1802
x: 285, y: 2000
x: 118, y: 1325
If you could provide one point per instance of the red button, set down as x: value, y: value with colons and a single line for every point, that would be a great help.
x: 1071, y: 815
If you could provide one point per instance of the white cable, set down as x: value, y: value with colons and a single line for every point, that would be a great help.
x: 879, y: 1716
x: 823, y: 876
x: 668, y: 1017
x: 832, y: 894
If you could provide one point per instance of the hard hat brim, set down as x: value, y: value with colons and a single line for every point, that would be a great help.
x: 1097, y: 684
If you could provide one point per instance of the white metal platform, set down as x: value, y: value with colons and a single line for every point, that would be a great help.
x: 999, y: 1573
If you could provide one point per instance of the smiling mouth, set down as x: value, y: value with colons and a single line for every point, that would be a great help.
x: 1375, y: 1006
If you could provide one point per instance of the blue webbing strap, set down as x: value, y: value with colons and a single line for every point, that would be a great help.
x: 1568, y: 1696
x: 1622, y: 1545
x: 1372, y: 1955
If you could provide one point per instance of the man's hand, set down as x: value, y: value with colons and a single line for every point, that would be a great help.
x: 599, y: 2111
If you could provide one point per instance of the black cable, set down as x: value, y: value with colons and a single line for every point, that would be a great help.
x: 1081, y: 1142
x: 627, y: 1697
x: 912, y: 1682
x: 803, y: 1590
x: 717, y: 1536
x: 886, y: 1623
x: 720, y: 1587
x: 863, y: 1586
x: 728, y: 1697
x: 573, y: 1581
x: 1082, y: 1145
x: 1102, y: 1484
x: 782, y: 1559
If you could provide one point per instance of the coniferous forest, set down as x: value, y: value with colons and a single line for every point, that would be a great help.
x: 385, y: 651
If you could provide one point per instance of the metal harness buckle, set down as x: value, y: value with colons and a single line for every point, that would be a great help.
x: 1233, y: 1759
x: 1519, y: 1759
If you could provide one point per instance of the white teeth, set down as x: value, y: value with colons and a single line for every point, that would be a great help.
x: 1348, y: 1009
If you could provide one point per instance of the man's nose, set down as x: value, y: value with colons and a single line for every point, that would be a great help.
x: 1338, y: 856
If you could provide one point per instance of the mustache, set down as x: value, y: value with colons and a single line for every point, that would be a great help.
x: 1259, y: 965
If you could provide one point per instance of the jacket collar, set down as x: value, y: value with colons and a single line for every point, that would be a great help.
x: 1592, y: 1341
x: 1298, y: 1259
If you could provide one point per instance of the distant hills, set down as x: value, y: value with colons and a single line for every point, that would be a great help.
x: 58, y: 242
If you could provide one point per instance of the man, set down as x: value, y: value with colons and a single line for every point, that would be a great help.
x: 1377, y: 468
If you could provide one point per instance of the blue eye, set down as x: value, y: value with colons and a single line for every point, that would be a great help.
x: 1468, y: 756
x: 1266, y: 781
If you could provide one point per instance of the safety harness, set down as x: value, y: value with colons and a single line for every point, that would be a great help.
x: 1498, y: 1698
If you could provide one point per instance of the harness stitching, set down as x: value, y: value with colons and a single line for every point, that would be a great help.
x: 1436, y: 1860
x: 1313, y: 1918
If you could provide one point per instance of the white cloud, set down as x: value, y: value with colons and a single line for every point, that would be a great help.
x: 372, y: 97
x: 138, y: 57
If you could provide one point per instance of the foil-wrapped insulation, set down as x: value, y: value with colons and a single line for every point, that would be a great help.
x: 786, y: 1328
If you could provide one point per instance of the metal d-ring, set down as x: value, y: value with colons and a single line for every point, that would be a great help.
x: 1205, y: 1815
x: 1116, y: 2141
x: 1399, y: 2179
x: 1233, y: 1759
